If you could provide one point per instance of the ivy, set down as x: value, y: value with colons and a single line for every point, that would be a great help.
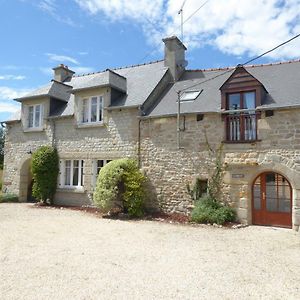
x: 44, y: 168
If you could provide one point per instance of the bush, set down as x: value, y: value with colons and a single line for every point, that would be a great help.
x: 44, y: 168
x: 120, y: 184
x: 8, y: 198
x: 207, y: 210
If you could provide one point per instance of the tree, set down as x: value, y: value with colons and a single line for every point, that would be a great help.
x: 2, y: 138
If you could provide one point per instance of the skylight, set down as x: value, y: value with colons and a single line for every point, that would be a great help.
x: 190, y: 95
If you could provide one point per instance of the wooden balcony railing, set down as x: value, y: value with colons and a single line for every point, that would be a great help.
x: 241, y: 127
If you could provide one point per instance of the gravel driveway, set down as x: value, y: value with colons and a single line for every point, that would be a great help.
x: 64, y: 254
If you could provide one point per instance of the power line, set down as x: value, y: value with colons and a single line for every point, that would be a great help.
x: 269, y: 51
x: 186, y: 20
x: 247, y: 62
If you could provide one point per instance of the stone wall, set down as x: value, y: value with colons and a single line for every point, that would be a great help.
x: 115, y: 139
x: 170, y: 169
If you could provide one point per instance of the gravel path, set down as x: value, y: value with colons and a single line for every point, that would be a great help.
x: 64, y: 254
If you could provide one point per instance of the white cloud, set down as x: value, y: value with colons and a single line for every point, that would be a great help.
x: 233, y: 26
x: 12, y: 77
x: 50, y: 7
x: 9, y: 107
x: 62, y: 58
x: 47, y: 6
x: 7, y: 93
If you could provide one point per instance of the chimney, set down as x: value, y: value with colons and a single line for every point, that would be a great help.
x: 62, y: 73
x: 175, y: 56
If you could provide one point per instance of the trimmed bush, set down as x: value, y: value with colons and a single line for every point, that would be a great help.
x: 207, y: 210
x: 44, y: 168
x: 120, y: 184
x: 8, y: 198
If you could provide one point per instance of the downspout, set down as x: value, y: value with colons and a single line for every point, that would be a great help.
x: 139, y: 144
x: 53, y: 133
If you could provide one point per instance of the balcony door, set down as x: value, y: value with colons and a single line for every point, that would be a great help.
x: 272, y: 200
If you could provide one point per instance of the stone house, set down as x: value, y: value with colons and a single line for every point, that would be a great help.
x: 252, y: 111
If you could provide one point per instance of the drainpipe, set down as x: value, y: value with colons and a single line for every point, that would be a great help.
x: 178, y: 120
x: 139, y: 144
x: 53, y: 133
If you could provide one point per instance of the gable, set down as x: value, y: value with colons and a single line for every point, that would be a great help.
x: 240, y: 79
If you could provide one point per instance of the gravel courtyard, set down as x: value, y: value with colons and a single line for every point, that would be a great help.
x: 64, y: 254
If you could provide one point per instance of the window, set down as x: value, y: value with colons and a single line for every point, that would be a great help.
x: 91, y: 110
x: 242, y: 124
x: 190, y: 95
x: 71, y: 173
x: 97, y: 165
x: 34, y: 116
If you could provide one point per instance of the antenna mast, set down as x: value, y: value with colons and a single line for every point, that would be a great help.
x: 180, y: 12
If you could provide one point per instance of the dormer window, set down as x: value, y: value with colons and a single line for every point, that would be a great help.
x: 241, y: 94
x: 34, y: 116
x: 91, y: 110
x: 242, y: 100
x: 241, y: 125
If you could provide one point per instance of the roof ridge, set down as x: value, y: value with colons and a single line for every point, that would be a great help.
x: 247, y: 66
x: 119, y: 68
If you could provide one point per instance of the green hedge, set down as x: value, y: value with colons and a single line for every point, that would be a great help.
x: 44, y: 168
x: 208, y: 210
x: 121, y: 184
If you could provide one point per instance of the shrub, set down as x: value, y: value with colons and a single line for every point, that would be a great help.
x: 8, y: 198
x: 208, y: 210
x: 45, y: 170
x: 120, y: 184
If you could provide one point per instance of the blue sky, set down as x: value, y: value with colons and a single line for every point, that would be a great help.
x: 92, y: 35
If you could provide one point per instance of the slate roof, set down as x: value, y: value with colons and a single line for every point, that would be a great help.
x: 281, y: 80
x: 141, y: 81
x: 53, y: 89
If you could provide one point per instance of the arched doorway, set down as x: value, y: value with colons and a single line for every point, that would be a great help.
x: 26, y: 182
x: 272, y: 200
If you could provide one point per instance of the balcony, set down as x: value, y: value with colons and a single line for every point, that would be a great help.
x: 241, y: 127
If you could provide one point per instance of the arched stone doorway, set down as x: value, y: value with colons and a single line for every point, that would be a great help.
x: 26, y: 182
x: 272, y: 200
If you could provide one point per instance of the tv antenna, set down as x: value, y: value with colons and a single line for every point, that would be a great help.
x: 180, y: 12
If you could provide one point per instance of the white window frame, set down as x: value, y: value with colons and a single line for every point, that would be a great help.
x: 34, y: 106
x: 95, y: 166
x: 62, y: 169
x: 99, y: 114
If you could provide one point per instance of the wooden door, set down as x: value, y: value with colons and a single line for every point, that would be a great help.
x: 272, y: 200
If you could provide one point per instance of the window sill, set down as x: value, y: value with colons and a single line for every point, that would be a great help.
x: 37, y: 129
x: 241, y: 142
x: 89, y: 125
x: 79, y: 190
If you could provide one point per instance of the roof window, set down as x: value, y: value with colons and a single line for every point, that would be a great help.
x: 190, y: 95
